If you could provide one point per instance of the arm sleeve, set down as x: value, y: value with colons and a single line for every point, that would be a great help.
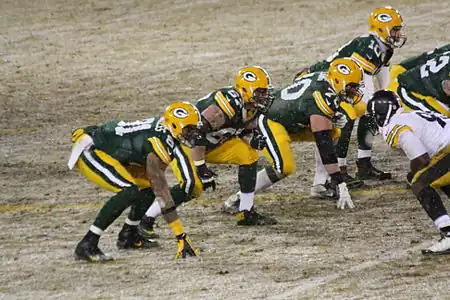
x: 411, y: 145
x: 383, y: 77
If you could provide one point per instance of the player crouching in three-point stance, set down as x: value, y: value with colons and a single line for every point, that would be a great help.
x: 305, y: 111
x: 226, y: 135
x: 129, y: 159
x: 425, y: 139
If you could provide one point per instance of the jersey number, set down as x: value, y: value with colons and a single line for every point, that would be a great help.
x: 432, y: 118
x: 433, y: 66
x: 130, y: 127
x: 296, y: 90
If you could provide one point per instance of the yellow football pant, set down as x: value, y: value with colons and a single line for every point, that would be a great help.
x: 437, y: 173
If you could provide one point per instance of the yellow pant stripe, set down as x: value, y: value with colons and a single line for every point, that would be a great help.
x: 160, y: 150
x: 364, y: 63
x: 224, y: 104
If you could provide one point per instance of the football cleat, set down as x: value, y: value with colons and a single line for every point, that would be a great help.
x: 440, y: 247
x: 90, y: 252
x: 129, y: 238
x: 252, y: 218
x: 323, y: 191
x: 365, y: 170
x: 352, y: 183
x: 231, y: 205
x: 145, y: 228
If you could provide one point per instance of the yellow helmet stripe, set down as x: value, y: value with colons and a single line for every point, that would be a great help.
x: 322, y: 105
x: 224, y: 104
x: 364, y: 63
x: 160, y: 150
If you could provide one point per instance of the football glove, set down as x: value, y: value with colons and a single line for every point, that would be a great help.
x: 344, y: 196
x: 339, y: 120
x: 258, y: 140
x: 207, y: 177
x: 185, y: 247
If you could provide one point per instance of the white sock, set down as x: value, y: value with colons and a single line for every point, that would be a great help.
x: 321, y: 175
x: 154, y: 210
x: 364, y: 153
x: 132, y: 223
x: 262, y: 181
x: 246, y: 201
x: 95, y: 230
x: 342, y: 161
x: 442, y: 221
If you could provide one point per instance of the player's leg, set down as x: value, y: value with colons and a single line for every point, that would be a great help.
x: 364, y: 167
x: 178, y: 192
x: 238, y: 152
x: 278, y: 152
x: 424, y: 185
x: 107, y: 173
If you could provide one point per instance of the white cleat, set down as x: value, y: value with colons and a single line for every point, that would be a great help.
x: 231, y: 205
x: 440, y: 247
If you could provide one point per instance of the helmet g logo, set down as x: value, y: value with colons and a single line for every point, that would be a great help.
x: 343, y: 69
x: 249, y: 76
x: 384, y: 18
x: 180, y: 113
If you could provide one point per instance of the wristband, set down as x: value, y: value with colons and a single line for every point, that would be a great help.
x: 198, y: 163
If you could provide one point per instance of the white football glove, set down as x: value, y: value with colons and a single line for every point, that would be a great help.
x: 344, y: 196
x: 339, y: 120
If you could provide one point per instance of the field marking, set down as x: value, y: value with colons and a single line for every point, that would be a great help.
x: 312, y: 283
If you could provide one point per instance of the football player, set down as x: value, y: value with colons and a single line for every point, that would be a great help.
x: 372, y: 52
x: 113, y: 156
x: 305, y: 111
x: 426, y: 86
x: 425, y: 139
x: 228, y: 116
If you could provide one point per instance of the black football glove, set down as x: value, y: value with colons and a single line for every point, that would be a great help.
x: 185, y: 247
x: 258, y: 140
x: 207, y: 176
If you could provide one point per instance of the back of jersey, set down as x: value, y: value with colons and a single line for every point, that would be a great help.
x: 432, y: 129
x: 426, y: 79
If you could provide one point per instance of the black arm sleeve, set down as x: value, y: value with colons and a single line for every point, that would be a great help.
x: 326, y: 148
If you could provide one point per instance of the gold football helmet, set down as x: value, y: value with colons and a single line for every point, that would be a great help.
x: 253, y: 84
x: 387, y: 24
x: 184, y: 122
x: 345, y: 76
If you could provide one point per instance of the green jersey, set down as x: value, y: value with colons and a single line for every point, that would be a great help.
x: 367, y: 50
x: 310, y: 95
x: 426, y: 79
x: 421, y: 59
x: 131, y: 142
x: 230, y: 102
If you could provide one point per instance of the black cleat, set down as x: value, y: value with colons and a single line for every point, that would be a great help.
x: 252, y: 218
x: 365, y: 170
x: 352, y: 183
x: 146, y: 228
x: 129, y: 238
x: 90, y: 252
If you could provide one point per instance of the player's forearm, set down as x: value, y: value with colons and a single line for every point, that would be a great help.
x: 198, y: 153
x: 159, y: 183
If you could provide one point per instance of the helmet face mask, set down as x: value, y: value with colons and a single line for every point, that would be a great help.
x: 397, y: 37
x: 192, y: 136
x: 261, y: 100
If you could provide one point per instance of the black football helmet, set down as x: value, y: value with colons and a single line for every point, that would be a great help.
x: 380, y: 109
